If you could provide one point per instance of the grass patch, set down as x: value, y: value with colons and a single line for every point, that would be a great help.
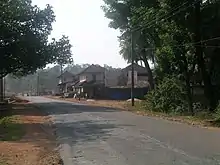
x: 202, y: 118
x: 10, y: 130
x: 3, y: 162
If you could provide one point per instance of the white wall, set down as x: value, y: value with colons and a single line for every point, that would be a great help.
x: 89, y: 76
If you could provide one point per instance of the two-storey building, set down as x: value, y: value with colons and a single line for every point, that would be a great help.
x: 140, y: 76
x: 65, y: 82
x: 90, y: 81
x: 98, y: 82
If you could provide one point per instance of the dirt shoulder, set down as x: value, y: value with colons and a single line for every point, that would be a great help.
x: 123, y: 105
x: 201, y: 120
x: 25, y: 139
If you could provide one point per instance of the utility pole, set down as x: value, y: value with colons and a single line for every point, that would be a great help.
x: 1, y: 89
x: 61, y: 73
x: 132, y: 68
x: 4, y: 80
x: 38, y: 79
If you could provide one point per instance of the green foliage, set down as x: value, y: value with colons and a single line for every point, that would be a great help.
x: 10, y: 131
x: 217, y: 113
x: 168, y: 97
x: 61, y: 51
x: 24, y: 31
x: 3, y: 162
x: 122, y: 16
x: 167, y: 33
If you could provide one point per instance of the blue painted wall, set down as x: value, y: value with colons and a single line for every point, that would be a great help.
x: 124, y: 93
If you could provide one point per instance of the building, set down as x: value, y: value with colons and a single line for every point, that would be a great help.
x: 111, y: 77
x: 90, y: 81
x: 65, y: 82
x: 98, y: 82
x: 140, y: 76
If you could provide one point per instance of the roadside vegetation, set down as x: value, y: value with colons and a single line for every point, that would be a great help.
x: 25, y: 137
x: 181, y: 40
x: 25, y: 44
x: 25, y: 48
x: 10, y: 130
x: 2, y: 162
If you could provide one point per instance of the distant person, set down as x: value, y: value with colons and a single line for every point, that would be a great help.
x: 79, y: 96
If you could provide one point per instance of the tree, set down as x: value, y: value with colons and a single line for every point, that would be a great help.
x: 62, y: 51
x: 24, y: 31
x: 121, y: 14
x: 170, y: 33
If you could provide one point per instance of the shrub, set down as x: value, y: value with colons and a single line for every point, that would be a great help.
x: 168, y: 97
x: 217, y: 113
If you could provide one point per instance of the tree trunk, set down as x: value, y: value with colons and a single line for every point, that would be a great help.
x: 209, y: 92
x: 1, y: 89
x: 189, y: 94
x: 150, y: 74
x: 188, y: 88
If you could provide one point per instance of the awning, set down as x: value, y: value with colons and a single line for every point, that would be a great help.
x: 87, y: 84
x: 61, y: 84
x: 75, y: 83
x: 79, y: 84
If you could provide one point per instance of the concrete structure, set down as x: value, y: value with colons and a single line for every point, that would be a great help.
x: 65, y: 81
x: 140, y: 76
x: 90, y: 81
x: 93, y: 81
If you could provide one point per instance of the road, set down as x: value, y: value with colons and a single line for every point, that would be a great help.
x: 103, y: 136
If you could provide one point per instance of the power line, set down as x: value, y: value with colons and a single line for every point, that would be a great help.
x: 210, y: 39
x: 149, y: 24
x: 208, y: 46
x: 193, y: 43
x: 165, y: 14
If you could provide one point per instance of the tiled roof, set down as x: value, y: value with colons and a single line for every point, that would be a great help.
x: 137, y: 68
x: 66, y: 74
x: 93, y: 69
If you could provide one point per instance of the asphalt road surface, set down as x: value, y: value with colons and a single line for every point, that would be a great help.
x: 104, y: 136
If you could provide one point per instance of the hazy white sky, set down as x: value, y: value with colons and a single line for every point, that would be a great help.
x: 84, y: 22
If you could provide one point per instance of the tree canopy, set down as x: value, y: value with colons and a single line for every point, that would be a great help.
x: 180, y: 37
x: 24, y: 44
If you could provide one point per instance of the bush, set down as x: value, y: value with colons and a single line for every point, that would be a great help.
x: 168, y: 97
x: 217, y: 113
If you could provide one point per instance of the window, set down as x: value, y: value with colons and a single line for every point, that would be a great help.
x: 94, y: 77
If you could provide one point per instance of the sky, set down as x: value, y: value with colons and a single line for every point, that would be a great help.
x: 85, y: 24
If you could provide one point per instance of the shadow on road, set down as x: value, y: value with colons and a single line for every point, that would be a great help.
x: 57, y: 108
x: 83, y: 131
x: 86, y: 132
x: 70, y: 130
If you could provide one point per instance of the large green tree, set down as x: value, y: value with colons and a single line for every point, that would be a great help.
x: 121, y: 13
x: 24, y: 31
x: 177, y: 35
x: 24, y: 45
x: 62, y: 53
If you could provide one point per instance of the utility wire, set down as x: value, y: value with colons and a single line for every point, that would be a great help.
x: 172, y: 14
x: 161, y: 17
x: 202, y: 41
x: 149, y: 24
